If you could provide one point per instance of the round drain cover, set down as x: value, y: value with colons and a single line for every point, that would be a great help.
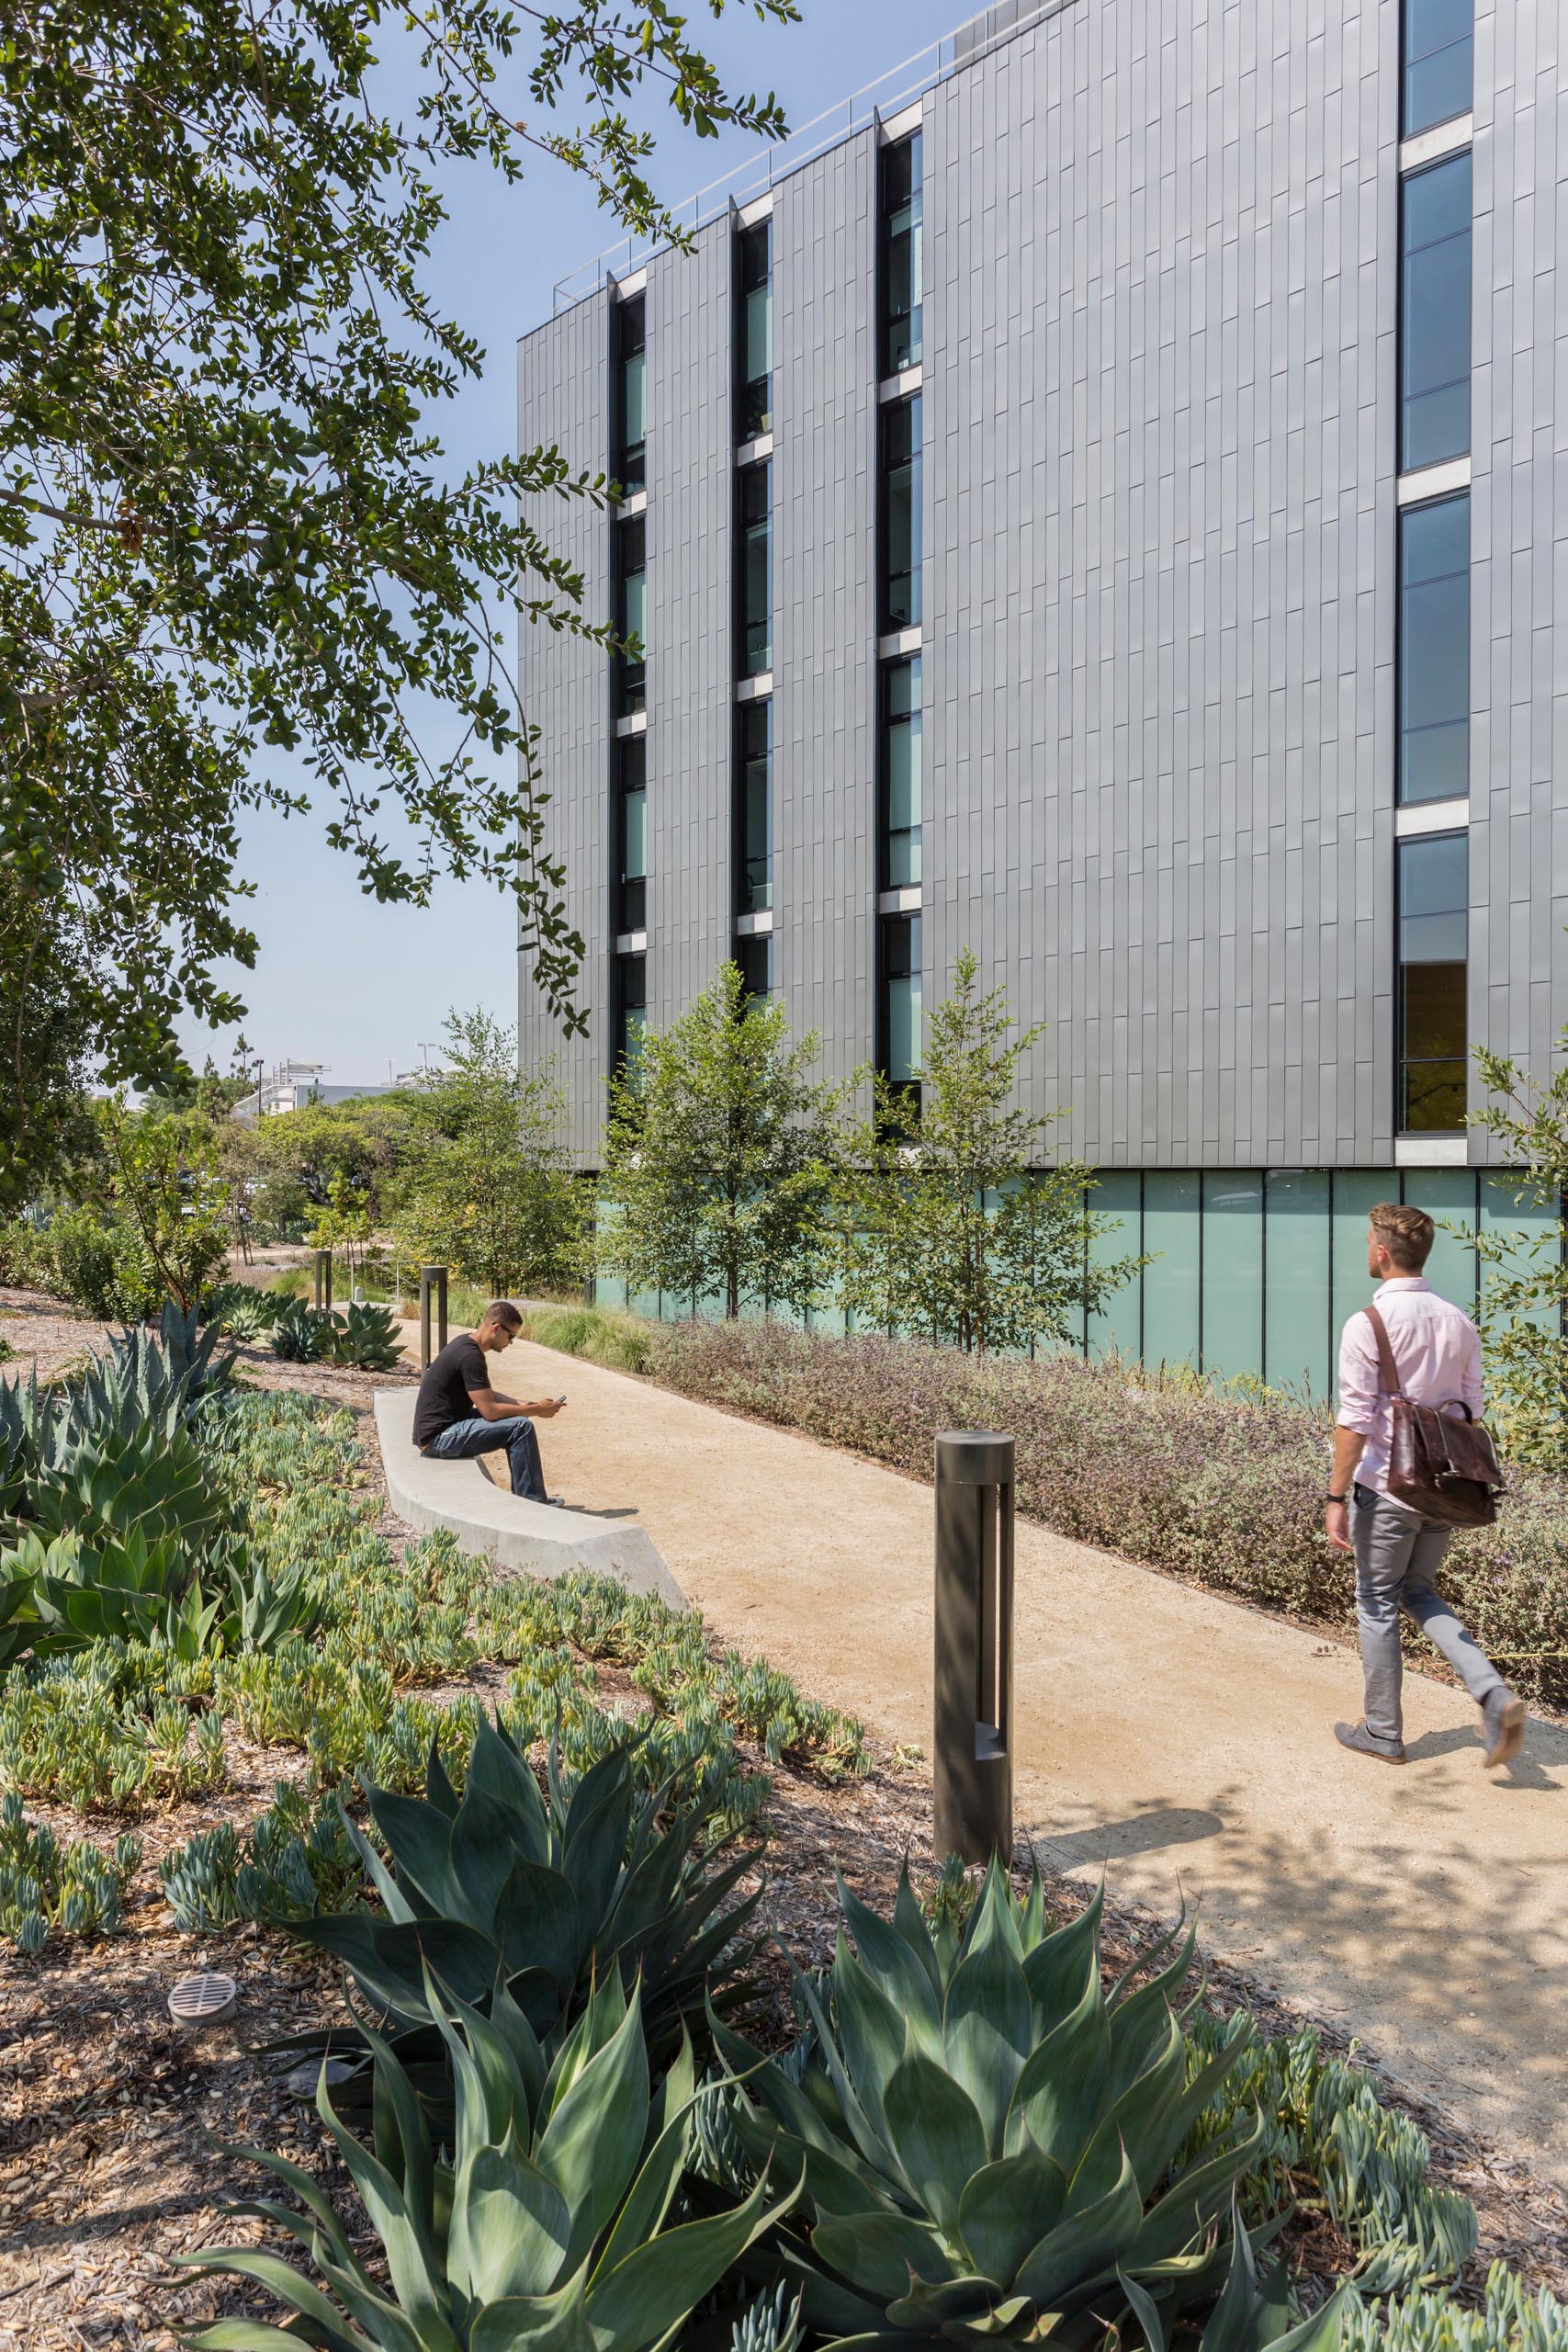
x: 203, y: 2000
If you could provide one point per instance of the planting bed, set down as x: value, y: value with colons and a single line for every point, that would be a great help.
x: 107, y: 2112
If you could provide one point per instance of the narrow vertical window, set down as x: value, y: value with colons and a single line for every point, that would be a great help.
x: 631, y: 834
x: 754, y: 343
x: 631, y: 395
x: 631, y: 1008
x: 1434, y: 895
x: 754, y: 809
x: 901, y: 258
x: 631, y: 612
x: 754, y: 632
x: 899, y: 1011
x: 1434, y: 650
x: 1439, y: 75
x: 901, y: 514
x: 1434, y: 323
x: 755, y: 960
x: 900, y: 774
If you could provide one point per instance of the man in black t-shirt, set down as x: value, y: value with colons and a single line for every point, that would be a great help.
x: 458, y: 1414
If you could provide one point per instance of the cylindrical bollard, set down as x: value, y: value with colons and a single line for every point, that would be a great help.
x: 973, y: 1646
x: 323, y: 1279
x: 432, y: 1278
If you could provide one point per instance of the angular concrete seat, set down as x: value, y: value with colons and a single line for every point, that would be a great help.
x: 529, y: 1539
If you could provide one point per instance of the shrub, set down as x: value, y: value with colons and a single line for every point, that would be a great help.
x: 620, y: 1341
x: 1219, y: 1483
x: 45, y: 1884
x: 367, y: 1337
x: 302, y: 1335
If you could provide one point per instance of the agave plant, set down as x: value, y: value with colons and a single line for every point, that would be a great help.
x: 544, y: 1898
x: 553, y: 2226
x: 988, y: 2137
x: 240, y: 1311
x: 367, y: 1337
x: 300, y: 1335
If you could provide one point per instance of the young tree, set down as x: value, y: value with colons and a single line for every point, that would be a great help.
x: 169, y: 1196
x: 487, y: 1187
x: 228, y: 527
x: 720, y: 1158
x: 46, y: 1033
x: 1524, y: 1287
x: 951, y: 1231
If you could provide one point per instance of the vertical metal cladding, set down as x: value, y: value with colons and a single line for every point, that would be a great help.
x: 1160, y: 427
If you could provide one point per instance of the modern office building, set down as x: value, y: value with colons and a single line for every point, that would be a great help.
x: 1105, y: 505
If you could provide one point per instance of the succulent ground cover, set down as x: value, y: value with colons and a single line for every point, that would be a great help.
x: 105, y: 2177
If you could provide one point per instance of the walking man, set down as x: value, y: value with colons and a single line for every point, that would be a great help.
x: 458, y: 1414
x: 1437, y: 1354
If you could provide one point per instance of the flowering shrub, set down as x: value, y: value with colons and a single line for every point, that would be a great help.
x: 1219, y: 1483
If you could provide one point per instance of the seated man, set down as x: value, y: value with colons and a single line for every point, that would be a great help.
x: 459, y: 1414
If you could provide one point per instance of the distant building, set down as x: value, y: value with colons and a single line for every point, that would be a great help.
x: 294, y: 1084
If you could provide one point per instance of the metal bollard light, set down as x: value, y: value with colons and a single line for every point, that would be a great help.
x: 431, y: 1278
x: 973, y: 1646
x: 323, y: 1279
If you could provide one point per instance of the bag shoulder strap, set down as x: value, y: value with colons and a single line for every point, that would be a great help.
x: 1388, y: 1370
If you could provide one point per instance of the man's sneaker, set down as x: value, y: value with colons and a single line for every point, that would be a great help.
x: 1503, y: 1716
x: 1358, y: 1738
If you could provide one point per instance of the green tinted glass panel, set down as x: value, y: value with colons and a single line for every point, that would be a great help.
x: 1446, y: 1193
x: 635, y: 806
x: 1295, y: 1288
x: 1356, y: 1191
x: 634, y: 393
x: 903, y: 1028
x: 1233, y: 1272
x: 633, y: 606
x: 1114, y: 1330
x: 1170, y: 1283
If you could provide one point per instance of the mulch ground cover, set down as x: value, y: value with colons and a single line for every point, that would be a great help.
x: 110, y: 2114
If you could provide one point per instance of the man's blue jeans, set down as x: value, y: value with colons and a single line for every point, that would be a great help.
x: 464, y: 1439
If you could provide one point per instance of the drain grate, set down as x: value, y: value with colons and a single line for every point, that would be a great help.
x: 204, y: 1999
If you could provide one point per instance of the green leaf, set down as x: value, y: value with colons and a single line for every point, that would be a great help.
x: 419, y: 1842
x: 1058, y: 1972
x: 879, y: 2253
x: 497, y: 1771
x: 557, y: 2322
x: 936, y: 2136
x: 987, y: 2027
x: 1084, y: 2248
x: 1006, y: 2210
x: 516, y: 2225
x: 1061, y: 2090
x: 541, y: 1925
x: 656, y: 2287
x: 594, y: 2136
x: 871, y: 2028
x: 896, y: 1967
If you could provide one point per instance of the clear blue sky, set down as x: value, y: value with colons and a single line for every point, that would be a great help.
x: 338, y: 979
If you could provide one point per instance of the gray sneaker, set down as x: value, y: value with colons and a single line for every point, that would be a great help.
x: 1503, y: 1716
x: 1362, y: 1742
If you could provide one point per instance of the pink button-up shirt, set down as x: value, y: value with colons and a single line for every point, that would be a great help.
x: 1437, y: 1352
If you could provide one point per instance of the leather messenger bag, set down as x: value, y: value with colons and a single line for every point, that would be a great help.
x: 1440, y: 1465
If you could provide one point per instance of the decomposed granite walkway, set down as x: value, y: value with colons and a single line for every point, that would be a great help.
x: 1178, y: 1740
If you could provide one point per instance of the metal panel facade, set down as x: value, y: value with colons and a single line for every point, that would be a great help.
x: 1161, y: 297
x: 563, y: 400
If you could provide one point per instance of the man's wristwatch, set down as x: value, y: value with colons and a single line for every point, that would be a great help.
x: 1336, y: 1499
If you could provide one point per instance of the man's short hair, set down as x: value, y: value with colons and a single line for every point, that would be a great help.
x: 1407, y: 1234
x: 501, y: 1311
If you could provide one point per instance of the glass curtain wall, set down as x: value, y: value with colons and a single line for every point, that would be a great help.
x: 630, y: 467
x: 1434, y: 650
x: 901, y: 272
x: 754, y: 618
x: 631, y: 614
x: 1438, y: 71
x: 754, y: 337
x: 755, y: 958
x: 1434, y: 323
x: 1433, y: 899
x: 631, y: 834
x: 901, y: 514
x: 901, y: 828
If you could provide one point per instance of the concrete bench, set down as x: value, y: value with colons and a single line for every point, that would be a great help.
x: 528, y: 1539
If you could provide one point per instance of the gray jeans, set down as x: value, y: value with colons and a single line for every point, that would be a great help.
x: 1398, y: 1554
